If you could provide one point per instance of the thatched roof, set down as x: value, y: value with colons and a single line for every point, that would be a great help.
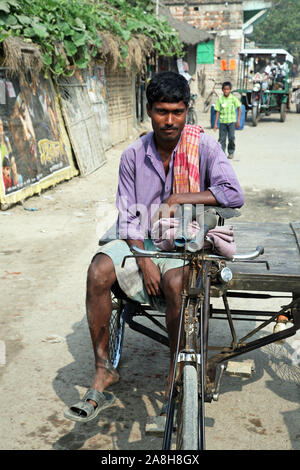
x: 21, y: 57
x: 188, y: 34
x: 139, y: 47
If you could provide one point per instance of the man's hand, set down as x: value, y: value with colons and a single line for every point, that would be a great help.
x: 151, y: 276
x: 237, y: 125
x: 151, y: 273
x: 216, y: 120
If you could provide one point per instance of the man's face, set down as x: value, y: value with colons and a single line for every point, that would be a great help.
x: 226, y: 90
x: 168, y: 120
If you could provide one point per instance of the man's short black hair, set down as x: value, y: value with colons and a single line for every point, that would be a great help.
x: 5, y: 162
x: 168, y: 87
x: 226, y: 84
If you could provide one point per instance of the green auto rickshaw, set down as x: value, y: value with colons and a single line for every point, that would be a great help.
x: 265, y: 82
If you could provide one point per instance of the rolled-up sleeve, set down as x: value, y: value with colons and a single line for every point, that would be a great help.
x: 129, y: 226
x: 222, y: 180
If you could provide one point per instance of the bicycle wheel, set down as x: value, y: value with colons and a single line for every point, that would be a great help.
x: 187, y: 415
x: 254, y: 116
x: 282, y: 112
x: 116, y: 332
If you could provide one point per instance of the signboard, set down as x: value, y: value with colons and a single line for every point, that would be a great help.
x: 34, y: 147
x: 205, y: 52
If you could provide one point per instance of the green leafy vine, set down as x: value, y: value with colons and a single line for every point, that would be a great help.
x: 69, y: 31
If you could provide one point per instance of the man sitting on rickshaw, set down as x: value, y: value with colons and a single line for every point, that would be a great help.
x: 174, y: 164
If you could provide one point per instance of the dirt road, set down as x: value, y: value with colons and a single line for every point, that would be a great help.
x: 44, y: 256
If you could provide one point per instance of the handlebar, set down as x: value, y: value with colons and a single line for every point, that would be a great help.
x: 247, y: 257
x: 194, y: 245
x: 179, y: 255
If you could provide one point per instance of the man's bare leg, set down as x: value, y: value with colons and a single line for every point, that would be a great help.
x: 172, y: 287
x: 101, y: 276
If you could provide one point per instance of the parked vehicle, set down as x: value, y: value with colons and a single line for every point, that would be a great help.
x: 265, y: 82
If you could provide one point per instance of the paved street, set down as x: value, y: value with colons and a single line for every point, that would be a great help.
x: 44, y: 256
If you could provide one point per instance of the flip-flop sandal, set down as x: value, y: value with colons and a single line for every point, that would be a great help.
x: 83, y: 411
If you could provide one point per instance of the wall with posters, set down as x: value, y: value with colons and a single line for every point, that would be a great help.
x: 35, y: 151
x: 42, y: 127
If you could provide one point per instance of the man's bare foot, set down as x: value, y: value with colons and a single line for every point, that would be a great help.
x: 105, y: 376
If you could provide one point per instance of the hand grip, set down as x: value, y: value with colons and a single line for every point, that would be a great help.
x: 260, y: 249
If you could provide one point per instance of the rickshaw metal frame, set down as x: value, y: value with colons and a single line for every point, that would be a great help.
x: 211, y: 381
x: 238, y: 347
x: 241, y: 281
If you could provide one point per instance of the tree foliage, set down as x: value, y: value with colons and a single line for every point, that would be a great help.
x: 68, y: 31
x: 281, y: 28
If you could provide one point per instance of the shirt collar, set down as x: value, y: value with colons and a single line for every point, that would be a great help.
x: 151, y: 150
x: 152, y: 154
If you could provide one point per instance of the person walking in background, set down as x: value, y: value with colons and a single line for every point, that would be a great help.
x: 226, y: 110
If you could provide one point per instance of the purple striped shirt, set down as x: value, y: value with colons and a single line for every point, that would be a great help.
x: 143, y: 184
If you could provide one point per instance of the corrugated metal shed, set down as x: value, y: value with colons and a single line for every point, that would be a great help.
x: 82, y: 121
x: 120, y: 90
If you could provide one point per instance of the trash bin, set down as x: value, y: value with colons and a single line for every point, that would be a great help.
x: 213, y: 116
x: 242, y: 119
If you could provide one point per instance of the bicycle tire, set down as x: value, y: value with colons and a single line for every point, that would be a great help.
x: 254, y: 116
x: 282, y: 112
x: 116, y: 332
x: 187, y: 415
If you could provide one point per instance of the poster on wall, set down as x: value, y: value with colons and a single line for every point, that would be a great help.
x: 33, y: 145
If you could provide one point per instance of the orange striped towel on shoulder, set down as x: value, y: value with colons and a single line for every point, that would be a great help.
x: 186, y: 161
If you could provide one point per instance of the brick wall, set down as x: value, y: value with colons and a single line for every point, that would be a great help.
x: 210, y: 16
x: 225, y: 23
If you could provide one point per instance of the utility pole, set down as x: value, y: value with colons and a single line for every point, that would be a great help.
x: 157, y: 7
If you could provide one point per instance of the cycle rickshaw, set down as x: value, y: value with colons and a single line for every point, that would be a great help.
x: 197, y: 375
